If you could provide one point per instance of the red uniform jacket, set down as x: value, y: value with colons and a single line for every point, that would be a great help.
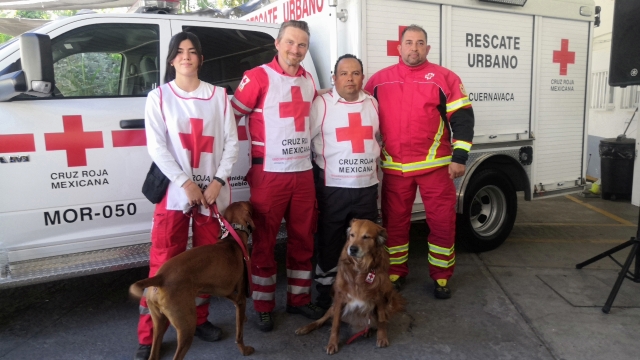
x: 426, y: 120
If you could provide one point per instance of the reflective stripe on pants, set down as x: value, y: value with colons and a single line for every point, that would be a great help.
x: 438, y: 194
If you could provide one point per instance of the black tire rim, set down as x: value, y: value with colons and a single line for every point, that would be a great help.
x: 488, y: 211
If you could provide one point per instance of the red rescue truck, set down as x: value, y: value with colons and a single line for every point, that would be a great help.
x: 72, y: 144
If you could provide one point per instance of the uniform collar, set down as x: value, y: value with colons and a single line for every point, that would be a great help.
x: 275, y: 65
x: 335, y: 97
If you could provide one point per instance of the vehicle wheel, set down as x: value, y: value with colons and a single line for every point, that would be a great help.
x: 490, y: 208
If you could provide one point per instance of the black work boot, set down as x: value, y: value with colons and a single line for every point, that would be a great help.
x: 265, y: 321
x: 324, y: 300
x: 310, y: 311
x: 208, y: 332
x: 143, y: 352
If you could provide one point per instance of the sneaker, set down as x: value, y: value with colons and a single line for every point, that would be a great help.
x: 398, y: 282
x: 441, y: 290
x: 143, y: 352
x: 208, y: 332
x: 310, y: 311
x: 265, y: 321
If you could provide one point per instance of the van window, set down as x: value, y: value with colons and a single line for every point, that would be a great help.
x: 228, y: 53
x: 106, y: 60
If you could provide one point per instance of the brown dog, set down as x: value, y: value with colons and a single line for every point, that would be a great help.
x: 364, y: 296
x: 217, y: 270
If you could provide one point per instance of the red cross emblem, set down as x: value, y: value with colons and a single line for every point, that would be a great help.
x: 297, y: 108
x: 74, y: 140
x: 564, y: 56
x: 356, y: 133
x: 196, y: 142
x: 392, y: 45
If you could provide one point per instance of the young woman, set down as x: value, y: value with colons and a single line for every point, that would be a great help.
x: 192, y: 138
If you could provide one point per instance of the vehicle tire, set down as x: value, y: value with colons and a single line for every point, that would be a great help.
x: 489, y: 211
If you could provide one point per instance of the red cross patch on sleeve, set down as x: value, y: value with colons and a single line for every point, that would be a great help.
x: 245, y: 81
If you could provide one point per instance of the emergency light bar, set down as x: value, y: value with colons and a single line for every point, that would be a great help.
x: 160, y: 6
x: 507, y: 2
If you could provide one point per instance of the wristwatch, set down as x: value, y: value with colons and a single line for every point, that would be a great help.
x: 219, y: 180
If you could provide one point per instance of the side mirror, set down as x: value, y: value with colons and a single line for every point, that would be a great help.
x: 36, y: 77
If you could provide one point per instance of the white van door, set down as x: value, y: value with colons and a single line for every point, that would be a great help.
x: 73, y: 164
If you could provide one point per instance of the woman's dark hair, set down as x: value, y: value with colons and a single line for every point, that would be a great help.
x: 174, y: 46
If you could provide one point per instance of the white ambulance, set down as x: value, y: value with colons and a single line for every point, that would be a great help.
x: 72, y: 144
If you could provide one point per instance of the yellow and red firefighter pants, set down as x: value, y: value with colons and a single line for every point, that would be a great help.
x: 274, y: 196
x: 169, y: 237
x: 439, y: 197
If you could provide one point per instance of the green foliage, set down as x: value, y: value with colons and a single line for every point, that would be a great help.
x: 24, y: 14
x: 88, y: 74
x: 5, y: 37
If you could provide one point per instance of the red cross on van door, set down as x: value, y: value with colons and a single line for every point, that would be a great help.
x: 195, y: 142
x: 356, y: 133
x: 74, y: 140
x: 564, y: 56
x: 297, y: 108
x: 392, y: 45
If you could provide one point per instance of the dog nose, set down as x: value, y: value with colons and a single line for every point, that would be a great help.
x: 353, y: 250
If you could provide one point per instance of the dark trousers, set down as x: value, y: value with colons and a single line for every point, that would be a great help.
x: 337, y: 206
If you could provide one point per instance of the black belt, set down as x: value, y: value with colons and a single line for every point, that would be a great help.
x: 257, y: 161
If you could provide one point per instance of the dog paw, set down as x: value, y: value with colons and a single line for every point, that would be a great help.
x: 248, y: 350
x: 302, y: 331
x: 381, y: 343
x: 332, y: 349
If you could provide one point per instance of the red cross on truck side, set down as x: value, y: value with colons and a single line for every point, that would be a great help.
x: 195, y: 142
x: 74, y: 140
x: 564, y: 56
x: 356, y: 133
x: 392, y: 45
x: 297, y: 108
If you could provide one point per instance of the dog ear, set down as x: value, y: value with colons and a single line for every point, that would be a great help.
x: 382, y: 235
x: 349, y: 230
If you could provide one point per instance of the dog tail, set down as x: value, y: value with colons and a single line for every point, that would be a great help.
x: 136, y: 289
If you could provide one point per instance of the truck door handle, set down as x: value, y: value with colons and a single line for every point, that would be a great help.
x: 132, y: 124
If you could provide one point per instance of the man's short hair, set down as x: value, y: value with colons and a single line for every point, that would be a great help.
x: 298, y: 24
x: 347, y: 56
x: 414, y: 27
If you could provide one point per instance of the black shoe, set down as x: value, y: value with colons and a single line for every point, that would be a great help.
x: 143, y: 352
x: 399, y: 283
x: 208, y: 332
x: 324, y: 300
x: 265, y: 321
x: 442, y: 292
x: 310, y: 311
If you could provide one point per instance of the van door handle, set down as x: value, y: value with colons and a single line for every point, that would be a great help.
x: 132, y: 124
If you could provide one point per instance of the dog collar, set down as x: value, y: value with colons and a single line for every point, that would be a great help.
x: 241, y: 228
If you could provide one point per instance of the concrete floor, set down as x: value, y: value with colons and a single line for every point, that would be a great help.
x: 524, y: 300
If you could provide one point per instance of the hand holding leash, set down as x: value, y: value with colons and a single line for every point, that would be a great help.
x: 212, y: 192
x: 194, y: 193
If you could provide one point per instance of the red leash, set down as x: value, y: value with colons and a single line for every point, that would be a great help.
x: 224, y: 225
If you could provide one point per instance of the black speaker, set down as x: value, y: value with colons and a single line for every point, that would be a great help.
x: 624, y: 68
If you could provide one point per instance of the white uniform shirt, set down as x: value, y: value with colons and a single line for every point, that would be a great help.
x: 344, y: 139
x: 191, y: 135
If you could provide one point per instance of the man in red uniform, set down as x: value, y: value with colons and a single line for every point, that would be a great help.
x: 426, y: 122
x: 276, y: 97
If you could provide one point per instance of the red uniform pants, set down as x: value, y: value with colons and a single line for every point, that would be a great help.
x: 169, y: 237
x: 439, y: 197
x: 274, y: 196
